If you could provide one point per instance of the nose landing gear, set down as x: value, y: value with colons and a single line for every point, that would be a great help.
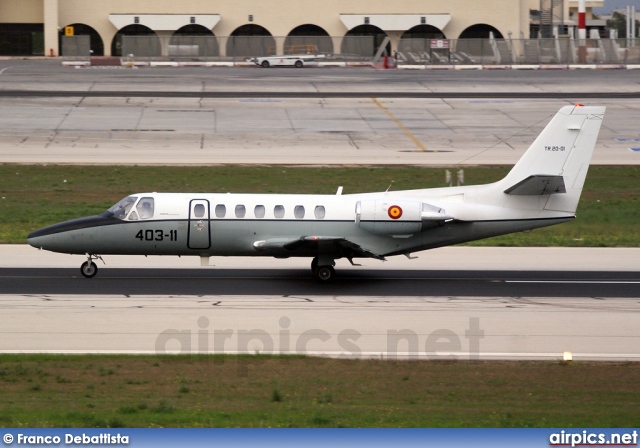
x: 89, y: 269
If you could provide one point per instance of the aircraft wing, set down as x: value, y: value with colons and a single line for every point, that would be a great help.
x: 341, y: 245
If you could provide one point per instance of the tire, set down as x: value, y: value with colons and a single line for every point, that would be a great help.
x: 299, y: 64
x: 324, y: 274
x: 265, y: 64
x: 88, y: 269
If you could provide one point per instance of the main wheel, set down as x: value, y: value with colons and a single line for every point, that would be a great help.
x: 265, y: 64
x: 324, y: 274
x: 299, y: 64
x: 88, y: 269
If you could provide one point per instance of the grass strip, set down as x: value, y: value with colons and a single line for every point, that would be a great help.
x: 33, y: 196
x: 295, y: 391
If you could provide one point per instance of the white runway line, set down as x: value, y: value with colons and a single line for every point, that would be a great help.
x: 577, y: 282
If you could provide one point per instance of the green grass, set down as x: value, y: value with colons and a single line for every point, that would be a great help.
x: 33, y: 196
x: 278, y: 391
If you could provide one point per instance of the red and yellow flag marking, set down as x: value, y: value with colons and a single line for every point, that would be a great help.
x: 394, y: 212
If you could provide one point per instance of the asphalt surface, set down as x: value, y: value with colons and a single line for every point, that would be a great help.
x: 51, y: 76
x: 248, y: 282
x: 318, y: 95
x: 329, y: 116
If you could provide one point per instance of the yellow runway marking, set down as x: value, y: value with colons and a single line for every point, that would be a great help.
x: 408, y: 133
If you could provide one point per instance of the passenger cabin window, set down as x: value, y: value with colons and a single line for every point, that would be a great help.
x: 122, y: 208
x: 319, y: 212
x: 240, y: 211
x: 259, y: 211
x: 278, y: 211
x: 145, y: 208
x: 221, y: 211
x: 298, y: 212
x: 199, y: 210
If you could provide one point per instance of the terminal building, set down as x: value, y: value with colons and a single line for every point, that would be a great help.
x: 36, y: 27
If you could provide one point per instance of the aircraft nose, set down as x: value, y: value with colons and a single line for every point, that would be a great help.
x: 34, y: 241
x: 38, y: 239
x: 70, y: 236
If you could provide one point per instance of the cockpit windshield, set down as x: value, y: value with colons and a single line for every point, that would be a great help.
x: 122, y: 208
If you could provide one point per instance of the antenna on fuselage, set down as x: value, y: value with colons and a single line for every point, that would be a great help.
x: 339, y: 192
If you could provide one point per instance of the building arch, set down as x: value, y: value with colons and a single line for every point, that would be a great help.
x: 308, y: 34
x: 146, y: 44
x: 423, y: 32
x: 416, y: 40
x: 193, y: 30
x: 251, y: 40
x: 81, y: 29
x: 474, y: 44
x: 193, y: 40
x: 480, y: 31
x: 364, y: 40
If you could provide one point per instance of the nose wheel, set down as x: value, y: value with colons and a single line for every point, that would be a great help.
x: 89, y: 269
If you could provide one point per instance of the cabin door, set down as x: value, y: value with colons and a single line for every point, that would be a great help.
x: 199, y: 234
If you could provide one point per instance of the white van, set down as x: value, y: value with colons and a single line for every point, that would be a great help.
x: 295, y: 60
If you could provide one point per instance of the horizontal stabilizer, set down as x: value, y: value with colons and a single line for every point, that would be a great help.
x: 537, y: 185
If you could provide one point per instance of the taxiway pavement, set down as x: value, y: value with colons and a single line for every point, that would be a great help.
x: 165, y: 116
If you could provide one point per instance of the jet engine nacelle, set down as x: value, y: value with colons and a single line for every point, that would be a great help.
x: 398, y: 217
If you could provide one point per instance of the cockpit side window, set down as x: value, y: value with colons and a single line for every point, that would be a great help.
x: 122, y: 208
x: 145, y: 208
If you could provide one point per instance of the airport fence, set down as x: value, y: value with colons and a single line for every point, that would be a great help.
x: 518, y: 51
x: 560, y: 51
x: 239, y: 48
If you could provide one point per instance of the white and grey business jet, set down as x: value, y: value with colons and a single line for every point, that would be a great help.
x: 542, y: 189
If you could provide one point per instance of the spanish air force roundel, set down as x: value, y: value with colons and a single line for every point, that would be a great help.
x: 394, y: 212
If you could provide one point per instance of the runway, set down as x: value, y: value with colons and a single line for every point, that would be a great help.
x: 580, y: 96
x: 462, y: 302
x: 396, y: 327
x: 352, y: 282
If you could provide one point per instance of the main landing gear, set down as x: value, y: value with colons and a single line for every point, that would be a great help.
x: 89, y: 269
x: 323, y: 273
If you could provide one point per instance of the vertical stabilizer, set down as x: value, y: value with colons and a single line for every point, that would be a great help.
x: 558, y: 160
